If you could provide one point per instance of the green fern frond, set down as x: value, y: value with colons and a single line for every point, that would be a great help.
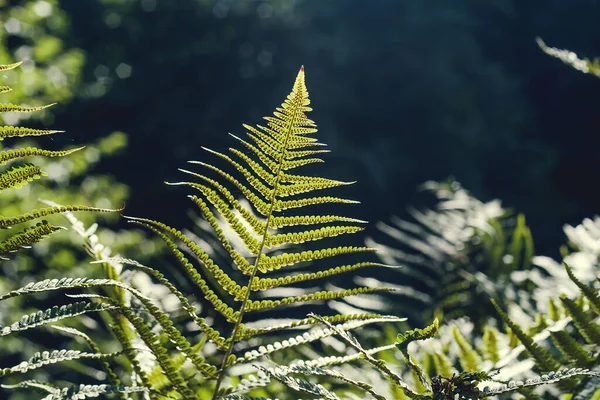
x: 280, y: 371
x: 590, y: 293
x: 490, y: 344
x: 20, y: 131
x: 52, y: 315
x: 265, y: 177
x: 571, y: 349
x: 41, y: 359
x: 20, y: 175
x: 300, y: 385
x: 249, y: 332
x: 27, y: 238
x: 318, y: 296
x: 8, y: 107
x: 469, y: 359
x: 78, y: 392
x: 550, y: 377
x: 542, y: 357
x: 442, y: 364
x: 7, y: 67
x: 306, y: 337
x: 404, y: 339
x: 584, y: 322
x: 8, y: 155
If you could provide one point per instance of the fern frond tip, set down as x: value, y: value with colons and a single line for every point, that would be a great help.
x: 6, y: 67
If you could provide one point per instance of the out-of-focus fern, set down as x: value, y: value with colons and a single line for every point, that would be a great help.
x: 455, y: 255
x: 19, y: 175
x: 584, y: 65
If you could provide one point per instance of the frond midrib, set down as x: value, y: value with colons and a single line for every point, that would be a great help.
x: 296, y: 108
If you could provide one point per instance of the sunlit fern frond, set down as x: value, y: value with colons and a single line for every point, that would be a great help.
x: 277, y: 244
x: 15, y: 176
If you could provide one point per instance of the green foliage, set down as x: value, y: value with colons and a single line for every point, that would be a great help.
x: 455, y: 255
x: 275, y: 151
x: 19, y: 175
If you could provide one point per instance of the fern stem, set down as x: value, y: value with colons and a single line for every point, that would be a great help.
x: 298, y: 100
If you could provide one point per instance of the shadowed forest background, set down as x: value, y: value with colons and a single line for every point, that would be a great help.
x: 403, y: 91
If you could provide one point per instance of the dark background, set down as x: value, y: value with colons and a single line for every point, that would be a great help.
x: 403, y: 92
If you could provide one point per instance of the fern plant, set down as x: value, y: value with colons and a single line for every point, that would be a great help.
x: 204, y: 355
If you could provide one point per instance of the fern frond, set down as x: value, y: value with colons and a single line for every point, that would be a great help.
x: 189, y: 308
x: 379, y: 364
x: 550, y: 377
x: 259, y: 284
x: 281, y: 222
x: 590, y: 293
x: 20, y: 175
x: 52, y: 315
x: 7, y: 67
x: 469, y: 359
x: 20, y: 131
x: 249, y: 332
x: 258, y: 305
x: 265, y: 178
x: 571, y: 349
x: 542, y: 357
x: 490, y: 344
x: 584, y: 323
x: 306, y: 337
x: 274, y: 263
x: 27, y: 238
x: 44, y: 358
x: 8, y: 107
x: 309, y: 370
x: 7, y: 222
x: 299, y: 385
x: 8, y: 155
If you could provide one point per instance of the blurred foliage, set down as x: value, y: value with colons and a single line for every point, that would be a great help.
x: 33, y: 32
